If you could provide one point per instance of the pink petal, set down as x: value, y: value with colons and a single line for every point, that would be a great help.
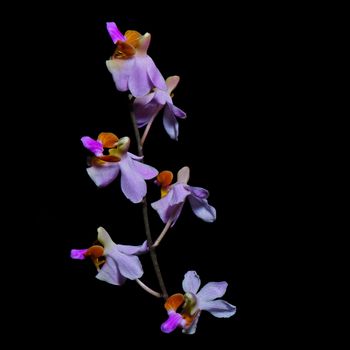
x: 132, y: 183
x: 212, y: 290
x: 94, y: 146
x: 171, y: 323
x: 78, y: 254
x: 191, y: 282
x: 114, y: 32
x: 103, y: 175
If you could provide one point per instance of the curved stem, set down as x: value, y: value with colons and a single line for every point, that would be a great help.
x: 162, y: 234
x: 146, y: 220
x: 148, y: 289
x: 148, y: 127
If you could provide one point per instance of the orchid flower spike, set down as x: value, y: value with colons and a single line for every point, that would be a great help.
x: 105, y: 168
x: 119, y: 262
x: 194, y: 302
x: 169, y: 207
x: 132, y: 69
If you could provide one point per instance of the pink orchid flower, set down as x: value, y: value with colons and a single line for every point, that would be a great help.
x: 193, y: 302
x: 132, y: 69
x: 105, y: 168
x: 147, y: 107
x: 119, y: 262
x: 169, y: 207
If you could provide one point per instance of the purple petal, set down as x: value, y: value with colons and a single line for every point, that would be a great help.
x: 78, y: 254
x: 103, y: 175
x: 198, y: 192
x: 170, y: 206
x: 170, y: 123
x: 212, y: 290
x: 132, y: 183
x: 94, y: 146
x: 171, y: 323
x: 133, y: 249
x: 121, y: 70
x: 110, y: 273
x: 179, y: 113
x: 202, y: 209
x: 218, y: 308
x: 114, y: 32
x: 134, y: 156
x: 191, y: 282
x: 139, y: 83
x: 146, y: 171
x: 145, y: 109
x: 162, y: 97
x: 155, y: 76
x: 129, y: 266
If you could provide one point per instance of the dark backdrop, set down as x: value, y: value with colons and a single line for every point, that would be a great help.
x: 228, y: 64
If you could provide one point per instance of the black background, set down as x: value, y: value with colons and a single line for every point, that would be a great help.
x: 229, y: 61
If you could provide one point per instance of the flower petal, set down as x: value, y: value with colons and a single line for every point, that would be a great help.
x: 171, y: 323
x: 199, y: 192
x: 132, y: 183
x: 108, y: 139
x: 110, y: 273
x: 171, y: 83
x: 212, y: 290
x: 145, y: 109
x: 154, y: 75
x: 191, y: 282
x: 179, y: 113
x: 139, y: 83
x: 129, y: 266
x: 121, y: 70
x: 103, y: 175
x: 114, y: 32
x: 146, y: 171
x: 133, y: 249
x: 202, y: 209
x: 143, y: 44
x: 170, y: 123
x: 183, y: 175
x: 78, y: 254
x: 170, y: 206
x: 94, y: 146
x: 218, y: 308
x: 104, y: 238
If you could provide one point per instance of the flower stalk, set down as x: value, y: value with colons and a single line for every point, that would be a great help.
x: 146, y: 219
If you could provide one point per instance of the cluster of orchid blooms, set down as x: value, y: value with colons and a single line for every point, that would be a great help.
x: 134, y: 71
